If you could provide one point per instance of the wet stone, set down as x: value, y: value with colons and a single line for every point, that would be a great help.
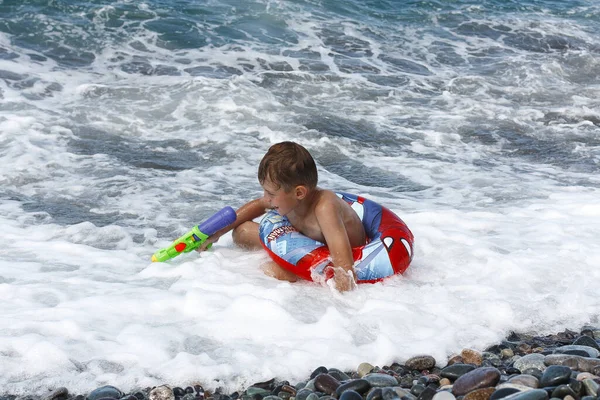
x: 502, y: 393
x: 562, y: 391
x: 591, y: 387
x: 470, y: 356
x: 492, y: 359
x: 587, y: 350
x: 253, y: 391
x: 429, y: 379
x: 576, y: 385
x: 320, y: 370
x: 389, y: 394
x: 374, y: 394
x: 445, y: 382
x: 326, y: 383
x: 534, y: 394
x: 358, y: 385
x: 407, y: 381
x: 58, y: 394
x: 427, y: 394
x: 339, y: 375
x: 417, y: 389
x: 455, y: 359
x: 420, y: 363
x: 586, y: 341
x: 302, y: 394
x: 580, y: 353
x: 506, y: 353
x: 380, y: 380
x: 401, y: 392
x: 289, y: 389
x: 555, y: 375
x: 312, y: 396
x: 476, y: 379
x: 533, y: 372
x: 107, y: 391
x: 364, y: 368
x: 480, y: 394
x: 525, y: 380
x: 350, y: 395
x: 454, y: 371
x: 444, y: 395
x: 161, y: 393
x: 530, y: 361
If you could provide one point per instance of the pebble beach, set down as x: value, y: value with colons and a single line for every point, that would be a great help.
x: 565, y: 366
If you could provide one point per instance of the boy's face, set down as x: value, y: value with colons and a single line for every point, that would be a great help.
x: 281, y: 201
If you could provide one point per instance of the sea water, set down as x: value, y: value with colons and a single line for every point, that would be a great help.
x: 125, y: 123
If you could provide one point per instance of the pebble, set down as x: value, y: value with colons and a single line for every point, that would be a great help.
x: 480, y: 394
x: 105, y: 392
x: 58, y: 394
x: 380, y: 380
x: 456, y: 370
x: 364, y: 369
x: 161, y: 393
x: 503, y: 392
x: 585, y: 340
x: 326, y: 383
x: 443, y: 395
x: 420, y: 363
x: 582, y: 364
x: 478, y: 378
x: 588, y: 351
x: 525, y: 380
x: 564, y: 366
x: 555, y: 375
x: 357, y: 385
x: 534, y: 394
x: 591, y: 387
x: 530, y: 361
x: 350, y: 395
x: 470, y: 356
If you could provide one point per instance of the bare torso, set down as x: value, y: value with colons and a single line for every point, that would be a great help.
x: 309, y: 226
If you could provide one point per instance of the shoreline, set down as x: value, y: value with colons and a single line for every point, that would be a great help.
x: 565, y: 365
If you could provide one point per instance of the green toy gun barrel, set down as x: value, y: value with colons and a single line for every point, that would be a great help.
x: 198, y: 235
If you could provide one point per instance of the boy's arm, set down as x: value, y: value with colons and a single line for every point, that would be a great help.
x: 249, y: 211
x: 329, y: 217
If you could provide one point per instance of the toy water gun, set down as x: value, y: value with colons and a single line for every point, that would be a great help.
x: 198, y: 235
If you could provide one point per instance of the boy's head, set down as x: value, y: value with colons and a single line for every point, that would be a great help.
x: 287, y: 165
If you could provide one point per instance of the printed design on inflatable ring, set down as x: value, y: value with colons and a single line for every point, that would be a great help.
x: 278, y: 232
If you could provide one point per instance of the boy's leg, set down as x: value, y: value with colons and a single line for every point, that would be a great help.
x: 246, y: 236
x: 271, y: 268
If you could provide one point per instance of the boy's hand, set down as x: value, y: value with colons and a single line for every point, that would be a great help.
x: 212, y: 239
x: 344, y: 280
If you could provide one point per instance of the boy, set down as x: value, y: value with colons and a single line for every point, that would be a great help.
x: 288, y: 176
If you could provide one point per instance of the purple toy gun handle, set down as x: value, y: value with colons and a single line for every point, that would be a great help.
x: 219, y: 220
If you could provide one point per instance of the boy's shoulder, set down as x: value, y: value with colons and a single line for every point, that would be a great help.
x: 326, y: 200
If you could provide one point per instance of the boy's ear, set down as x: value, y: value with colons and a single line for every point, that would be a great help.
x: 301, y: 192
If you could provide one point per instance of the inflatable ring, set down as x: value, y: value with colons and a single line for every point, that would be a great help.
x: 388, y: 250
